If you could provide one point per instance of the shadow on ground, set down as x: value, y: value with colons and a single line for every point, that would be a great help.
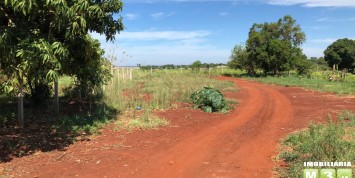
x: 43, y: 132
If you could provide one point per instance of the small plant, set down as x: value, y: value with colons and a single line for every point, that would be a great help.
x: 209, y: 100
x: 145, y: 120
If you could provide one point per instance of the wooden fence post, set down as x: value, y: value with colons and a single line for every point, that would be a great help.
x: 118, y: 74
x: 130, y: 74
x: 123, y: 74
x: 56, y: 99
x: 127, y: 73
x: 20, y: 115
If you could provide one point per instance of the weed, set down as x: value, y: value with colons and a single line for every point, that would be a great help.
x: 146, y: 120
x: 331, y: 142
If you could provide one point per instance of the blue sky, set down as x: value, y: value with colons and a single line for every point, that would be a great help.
x: 181, y: 31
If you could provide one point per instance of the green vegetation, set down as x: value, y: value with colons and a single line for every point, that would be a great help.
x: 317, y: 81
x: 159, y: 90
x: 341, y: 54
x: 131, y: 104
x: 145, y: 120
x: 209, y: 100
x: 273, y: 48
x: 42, y: 40
x: 331, y: 142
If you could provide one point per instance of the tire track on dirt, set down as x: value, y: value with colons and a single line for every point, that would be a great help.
x: 249, y: 128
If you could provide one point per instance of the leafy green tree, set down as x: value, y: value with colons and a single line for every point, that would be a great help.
x: 196, y: 65
x: 42, y: 39
x: 239, y: 59
x: 341, y: 53
x: 274, y: 47
x: 319, y: 63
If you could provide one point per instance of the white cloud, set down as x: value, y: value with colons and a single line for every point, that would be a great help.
x: 307, y: 3
x: 157, y: 15
x: 326, y: 19
x: 314, y: 3
x: 163, y: 35
x: 164, y: 47
x: 322, y: 19
x: 223, y: 13
x: 160, y: 15
x: 177, y: 54
x: 131, y: 16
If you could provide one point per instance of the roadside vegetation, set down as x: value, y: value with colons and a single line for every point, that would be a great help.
x: 156, y: 90
x: 334, y: 141
x: 318, y: 81
x: 130, y: 104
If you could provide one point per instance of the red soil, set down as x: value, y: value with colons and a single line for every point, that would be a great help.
x: 241, y: 143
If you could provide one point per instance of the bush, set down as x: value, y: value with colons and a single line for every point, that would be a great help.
x: 209, y: 100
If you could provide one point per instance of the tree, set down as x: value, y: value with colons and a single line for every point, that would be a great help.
x: 42, y: 39
x: 196, y: 65
x: 319, y: 63
x: 239, y: 59
x: 341, y: 53
x: 274, y: 47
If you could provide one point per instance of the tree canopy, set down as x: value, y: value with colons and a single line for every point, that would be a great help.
x: 272, y: 47
x: 196, y: 65
x: 42, y: 39
x: 341, y: 53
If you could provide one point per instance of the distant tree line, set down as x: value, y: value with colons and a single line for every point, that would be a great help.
x: 194, y: 65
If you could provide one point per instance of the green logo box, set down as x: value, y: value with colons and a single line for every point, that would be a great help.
x: 344, y: 173
x: 327, y: 173
x: 310, y: 173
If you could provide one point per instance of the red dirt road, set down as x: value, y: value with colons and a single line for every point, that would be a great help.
x: 196, y: 144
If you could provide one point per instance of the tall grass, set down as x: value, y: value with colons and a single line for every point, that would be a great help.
x: 156, y: 90
x: 331, y: 142
x: 159, y: 90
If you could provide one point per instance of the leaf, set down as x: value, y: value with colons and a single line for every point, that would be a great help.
x: 82, y: 22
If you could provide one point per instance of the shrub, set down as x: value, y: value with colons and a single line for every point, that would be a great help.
x: 209, y: 100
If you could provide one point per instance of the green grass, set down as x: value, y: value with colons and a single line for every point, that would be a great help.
x: 145, y: 120
x: 316, y: 81
x: 331, y: 142
x: 64, y: 82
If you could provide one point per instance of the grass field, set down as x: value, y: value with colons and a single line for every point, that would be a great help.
x: 159, y: 90
x: 316, y: 81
